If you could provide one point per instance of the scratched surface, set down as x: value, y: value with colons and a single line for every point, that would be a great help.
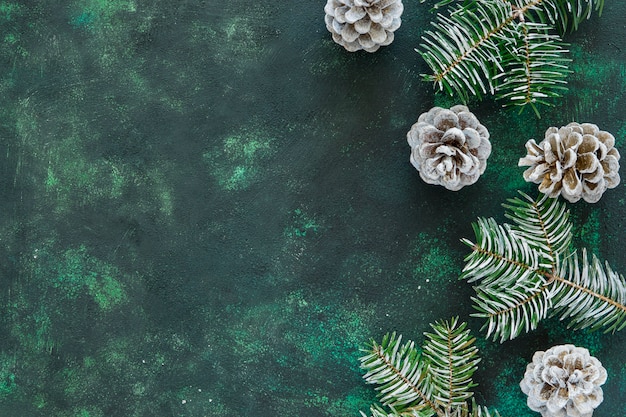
x: 208, y: 209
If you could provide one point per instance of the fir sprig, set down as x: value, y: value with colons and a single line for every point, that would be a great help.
x: 435, y: 382
x: 527, y: 271
x: 505, y: 48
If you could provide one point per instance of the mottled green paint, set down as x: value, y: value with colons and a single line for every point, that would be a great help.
x: 10, y: 39
x: 350, y: 405
x: 8, y: 384
x: 587, y: 231
x: 302, y: 223
x: 91, y: 13
x: 510, y: 401
x: 39, y: 401
x: 8, y: 8
x: 84, y: 19
x: 306, y: 328
x: 77, y: 272
x: 239, y: 163
x: 598, y: 80
x: 620, y: 137
x: 75, y: 178
x: 431, y: 262
x: 69, y: 172
x: 356, y: 148
x: 241, y: 46
x: 445, y: 102
x: 559, y: 331
x: 32, y: 325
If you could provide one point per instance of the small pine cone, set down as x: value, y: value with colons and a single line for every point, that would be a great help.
x: 576, y: 161
x: 564, y: 381
x: 363, y: 24
x: 449, y: 147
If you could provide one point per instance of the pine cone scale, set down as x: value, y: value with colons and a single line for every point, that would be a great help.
x: 589, y: 144
x: 606, y: 138
x: 376, y: 14
x: 363, y: 26
x: 354, y: 14
x: 348, y: 33
x: 585, y: 163
x: 367, y: 42
x: 572, y: 186
x: 377, y: 33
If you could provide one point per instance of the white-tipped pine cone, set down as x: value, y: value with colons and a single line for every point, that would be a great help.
x: 363, y: 24
x: 576, y: 161
x: 449, y: 147
x: 564, y: 381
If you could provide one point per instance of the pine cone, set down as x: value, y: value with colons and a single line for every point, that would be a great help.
x: 564, y: 381
x: 577, y: 160
x: 449, y: 147
x: 363, y: 24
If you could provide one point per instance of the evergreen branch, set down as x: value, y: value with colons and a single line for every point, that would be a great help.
x: 528, y: 270
x: 510, y: 310
x: 436, y: 383
x: 544, y: 224
x: 399, y: 372
x: 475, y: 411
x: 463, y: 49
x: 452, y: 359
x: 459, y: 411
x: 534, y: 67
x: 589, y: 295
x: 565, y: 15
x: 500, y: 255
x: 511, y: 273
x: 407, y: 412
x: 503, y: 47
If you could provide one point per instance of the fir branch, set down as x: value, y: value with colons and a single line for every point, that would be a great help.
x: 398, y: 371
x: 451, y: 354
x: 474, y: 411
x: 499, y: 254
x: 463, y: 49
x: 590, y: 295
x: 527, y: 271
x: 436, y: 383
x: 544, y: 224
x: 511, y: 310
x: 565, y: 15
x: 377, y: 411
x: 503, y: 48
x: 535, y: 67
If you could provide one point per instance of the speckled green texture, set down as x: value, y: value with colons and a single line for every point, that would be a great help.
x: 208, y: 208
x: 240, y: 161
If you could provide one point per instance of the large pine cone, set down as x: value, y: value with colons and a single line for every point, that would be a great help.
x: 363, y: 24
x: 577, y: 160
x: 564, y: 381
x: 449, y: 147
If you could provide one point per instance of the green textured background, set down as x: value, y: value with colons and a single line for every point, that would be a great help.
x: 208, y: 208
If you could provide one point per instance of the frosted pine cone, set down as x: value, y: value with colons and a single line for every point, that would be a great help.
x: 449, y: 147
x: 564, y: 381
x: 576, y: 161
x: 363, y: 24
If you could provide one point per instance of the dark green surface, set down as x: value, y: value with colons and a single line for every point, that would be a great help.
x: 209, y: 208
